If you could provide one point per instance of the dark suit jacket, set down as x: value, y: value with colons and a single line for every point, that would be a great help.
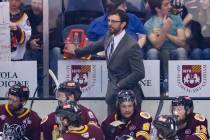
x: 125, y: 67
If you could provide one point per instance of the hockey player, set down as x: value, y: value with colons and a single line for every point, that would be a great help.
x: 127, y: 120
x: 192, y: 126
x: 67, y: 91
x: 70, y: 123
x: 164, y: 128
x: 16, y: 121
x: 20, y: 29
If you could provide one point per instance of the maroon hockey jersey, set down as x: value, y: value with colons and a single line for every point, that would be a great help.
x: 196, y: 128
x: 25, y: 126
x: 138, y: 126
x: 49, y: 121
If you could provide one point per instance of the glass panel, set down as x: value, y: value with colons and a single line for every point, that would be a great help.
x: 34, y: 46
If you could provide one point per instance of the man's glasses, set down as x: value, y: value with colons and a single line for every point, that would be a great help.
x: 113, y: 21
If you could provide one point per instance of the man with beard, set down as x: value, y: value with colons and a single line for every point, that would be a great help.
x: 191, y: 126
x: 123, y: 55
x: 127, y: 120
x: 68, y: 117
x: 67, y: 91
x: 16, y: 121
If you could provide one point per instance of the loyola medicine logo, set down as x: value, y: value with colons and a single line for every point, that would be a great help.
x: 191, y: 78
x: 85, y: 75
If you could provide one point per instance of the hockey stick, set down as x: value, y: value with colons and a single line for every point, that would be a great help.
x: 38, y: 86
x: 54, y: 78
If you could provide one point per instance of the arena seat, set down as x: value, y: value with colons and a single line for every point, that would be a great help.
x: 137, y: 7
x: 67, y: 29
x: 82, y: 11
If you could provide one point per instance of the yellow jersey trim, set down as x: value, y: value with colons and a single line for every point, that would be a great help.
x: 10, y: 113
x: 144, y: 134
x: 201, y: 136
x: 7, y: 109
x: 83, y: 130
x: 22, y: 38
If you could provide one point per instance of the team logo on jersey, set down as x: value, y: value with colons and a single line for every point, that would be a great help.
x: 2, y: 117
x: 146, y: 126
x: 13, y: 132
x: 27, y: 121
x: 90, y: 114
x: 187, y: 132
x: 85, y: 75
x: 191, y: 78
x: 132, y: 127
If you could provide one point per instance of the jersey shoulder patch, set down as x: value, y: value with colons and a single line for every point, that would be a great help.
x: 146, y: 127
x: 44, y: 119
x: 199, y: 117
x: 145, y: 115
x: 91, y: 115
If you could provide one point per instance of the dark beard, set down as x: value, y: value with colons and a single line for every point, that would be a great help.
x: 114, y: 31
x: 14, y: 110
x: 181, y: 122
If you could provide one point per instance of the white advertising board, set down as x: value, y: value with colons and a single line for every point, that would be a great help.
x: 151, y: 83
x: 93, y: 76
x: 11, y: 73
x: 5, y: 53
x: 189, y: 78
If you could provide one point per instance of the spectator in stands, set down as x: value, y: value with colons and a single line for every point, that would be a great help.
x: 67, y: 91
x: 16, y: 121
x: 124, y: 58
x: 179, y: 8
x: 35, y: 44
x: 20, y: 29
x: 191, y: 126
x: 98, y: 28
x: 127, y: 120
x: 71, y: 126
x: 200, y: 47
x: 204, y: 16
x: 165, y: 34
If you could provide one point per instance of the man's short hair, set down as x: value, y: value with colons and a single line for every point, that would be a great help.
x: 154, y: 4
x: 122, y: 14
x: 112, y: 5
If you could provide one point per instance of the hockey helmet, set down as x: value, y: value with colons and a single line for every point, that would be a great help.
x: 20, y: 91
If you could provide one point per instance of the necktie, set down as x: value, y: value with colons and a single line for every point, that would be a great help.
x: 111, y: 48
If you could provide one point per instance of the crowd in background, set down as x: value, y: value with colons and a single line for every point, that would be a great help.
x: 169, y: 30
x: 188, y: 22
